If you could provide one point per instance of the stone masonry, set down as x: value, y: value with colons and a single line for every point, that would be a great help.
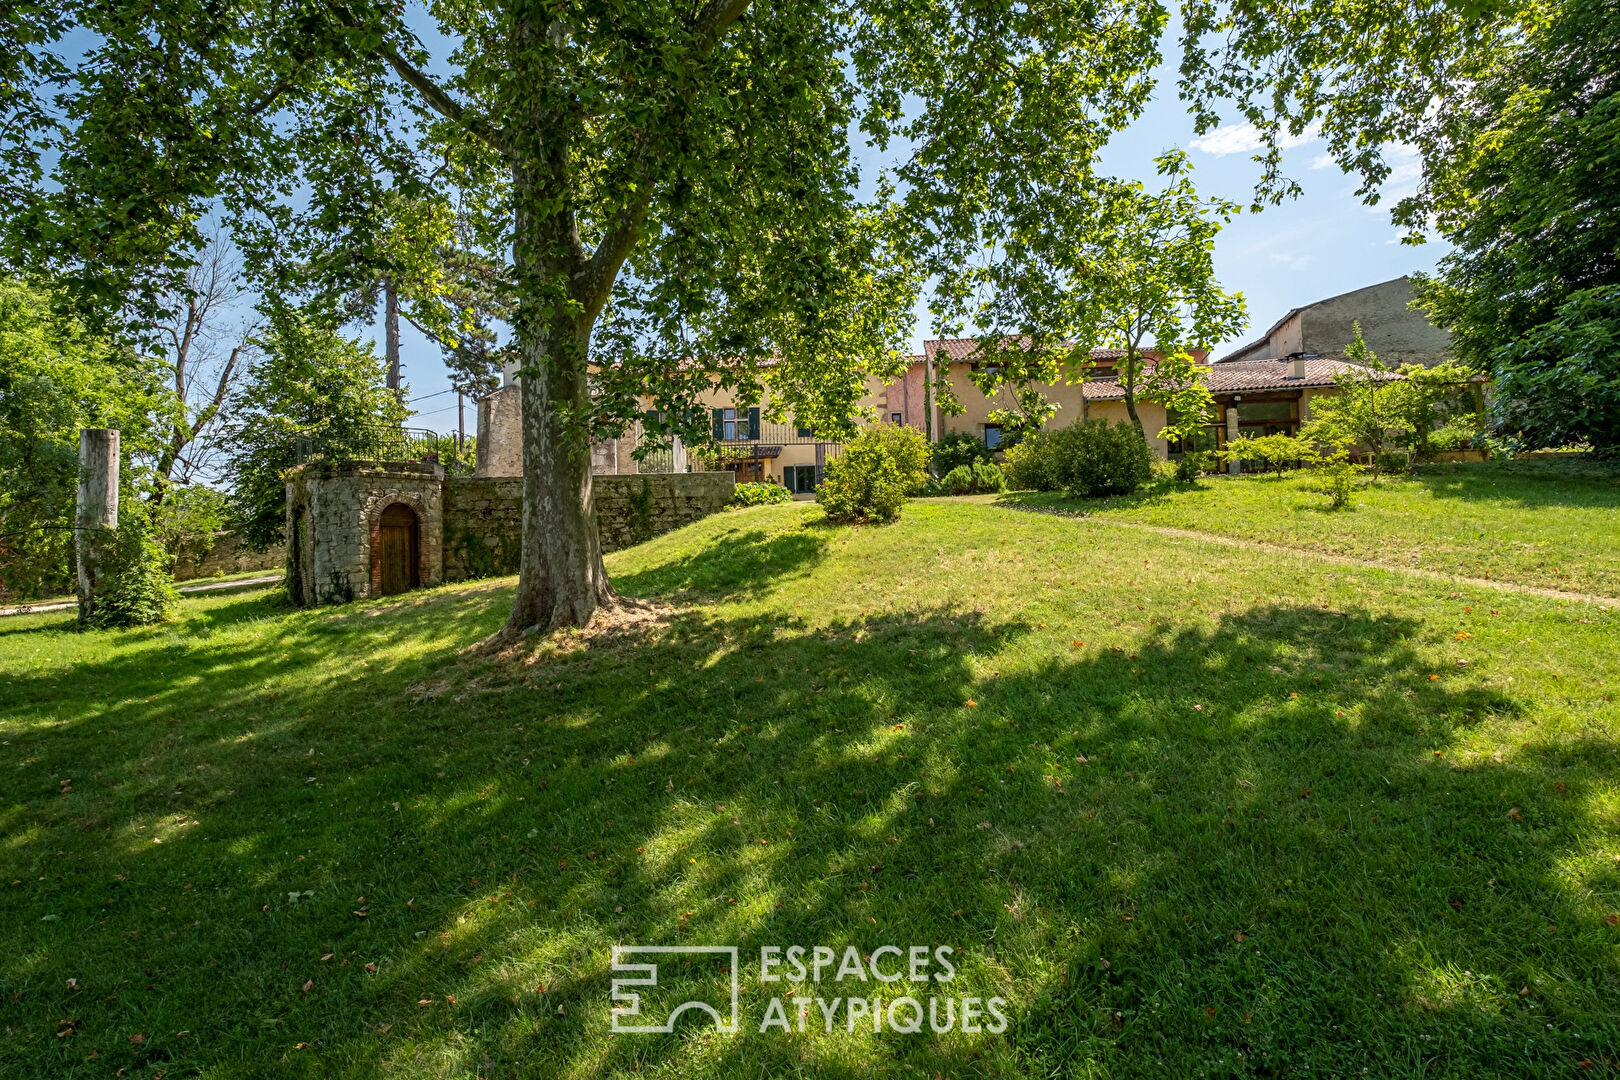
x: 333, y: 514
x: 470, y: 526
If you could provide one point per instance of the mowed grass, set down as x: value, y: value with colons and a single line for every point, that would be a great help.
x: 1191, y: 811
x: 1553, y: 523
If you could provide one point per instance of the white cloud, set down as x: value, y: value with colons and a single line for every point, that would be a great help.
x: 1245, y: 139
x: 1322, y: 161
x: 1291, y: 260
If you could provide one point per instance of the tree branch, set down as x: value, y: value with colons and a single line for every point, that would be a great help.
x: 594, y: 281
x: 441, y: 102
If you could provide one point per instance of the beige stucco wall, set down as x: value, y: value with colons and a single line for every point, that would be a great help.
x: 977, y: 408
x: 1287, y: 339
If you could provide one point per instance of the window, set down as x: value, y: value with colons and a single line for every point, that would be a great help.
x: 730, y: 426
x: 992, y: 435
x: 894, y: 418
x: 806, y: 433
x: 1256, y: 411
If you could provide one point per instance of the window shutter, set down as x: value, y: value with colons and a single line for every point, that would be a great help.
x: 753, y: 423
x: 719, y: 417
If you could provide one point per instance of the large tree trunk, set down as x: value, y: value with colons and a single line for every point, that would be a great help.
x: 561, y: 579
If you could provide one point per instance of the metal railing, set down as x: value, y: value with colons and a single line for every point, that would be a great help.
x: 402, y: 444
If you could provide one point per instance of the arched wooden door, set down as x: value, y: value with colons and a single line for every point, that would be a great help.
x: 398, y: 540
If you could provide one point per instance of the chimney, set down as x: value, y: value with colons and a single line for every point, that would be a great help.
x: 1296, y: 366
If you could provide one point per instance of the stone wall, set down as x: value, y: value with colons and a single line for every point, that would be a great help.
x: 332, y: 521
x: 1390, y: 327
x: 483, y: 516
x: 483, y: 526
x: 631, y: 509
x: 230, y: 556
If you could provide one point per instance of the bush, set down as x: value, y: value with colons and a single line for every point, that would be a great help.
x: 1093, y: 459
x: 1273, y: 451
x: 1458, y: 433
x: 1336, y: 478
x: 1194, y: 464
x: 871, y: 479
x: 1392, y: 461
x: 186, y: 522
x: 760, y: 493
x: 1030, y: 465
x: 132, y: 582
x: 980, y: 478
x: 958, y: 449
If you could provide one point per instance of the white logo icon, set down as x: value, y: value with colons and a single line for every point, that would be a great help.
x: 648, y: 976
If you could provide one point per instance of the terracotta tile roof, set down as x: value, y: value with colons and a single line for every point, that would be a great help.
x: 967, y: 349
x: 1239, y: 376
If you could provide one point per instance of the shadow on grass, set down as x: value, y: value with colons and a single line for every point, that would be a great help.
x: 1529, y: 482
x: 1240, y: 843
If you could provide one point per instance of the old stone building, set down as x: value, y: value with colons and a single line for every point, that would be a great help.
x: 362, y: 529
x: 1398, y: 334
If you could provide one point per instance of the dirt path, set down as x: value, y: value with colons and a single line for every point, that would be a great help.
x: 1337, y: 560
x: 200, y: 587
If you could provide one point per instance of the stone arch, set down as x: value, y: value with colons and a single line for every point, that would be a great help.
x: 420, y: 569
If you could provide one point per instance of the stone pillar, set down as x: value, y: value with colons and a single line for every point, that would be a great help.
x: 1234, y: 466
x: 96, y: 507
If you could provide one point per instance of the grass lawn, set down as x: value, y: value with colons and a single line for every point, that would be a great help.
x: 1546, y: 522
x: 1190, y: 810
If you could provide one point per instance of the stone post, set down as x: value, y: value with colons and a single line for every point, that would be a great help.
x: 1234, y: 466
x: 96, y: 507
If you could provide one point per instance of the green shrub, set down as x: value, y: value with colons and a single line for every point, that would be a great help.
x: 1392, y: 461
x: 1095, y: 459
x: 132, y: 582
x: 760, y: 493
x: 186, y: 522
x: 927, y: 486
x: 980, y: 478
x: 958, y: 449
x: 988, y: 478
x: 1336, y: 478
x: 1194, y: 464
x: 1031, y: 464
x: 871, y: 479
x: 1273, y: 451
x: 1458, y: 433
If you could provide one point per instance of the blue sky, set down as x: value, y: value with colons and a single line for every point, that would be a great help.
x: 1325, y: 242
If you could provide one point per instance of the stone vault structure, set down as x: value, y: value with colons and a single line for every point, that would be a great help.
x: 363, y: 529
